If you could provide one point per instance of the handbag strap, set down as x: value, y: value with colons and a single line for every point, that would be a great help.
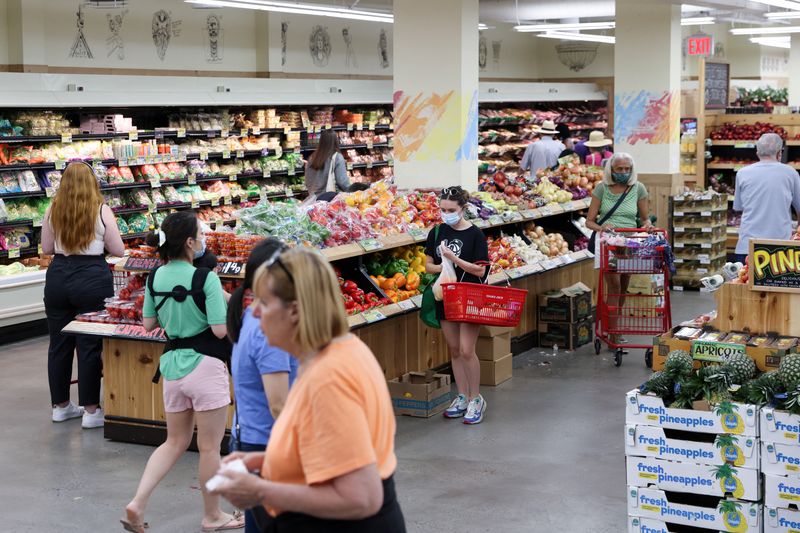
x: 616, y: 206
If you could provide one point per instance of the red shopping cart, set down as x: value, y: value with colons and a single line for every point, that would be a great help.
x: 620, y: 313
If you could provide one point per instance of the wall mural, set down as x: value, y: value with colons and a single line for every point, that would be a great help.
x: 114, y: 43
x: 383, y: 49
x: 164, y: 29
x: 483, y: 51
x: 214, y: 36
x: 284, y: 29
x: 647, y: 117
x: 350, y: 56
x: 468, y: 151
x: 319, y: 44
x: 80, y: 47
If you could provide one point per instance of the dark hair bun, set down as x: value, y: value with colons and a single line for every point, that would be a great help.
x: 151, y: 239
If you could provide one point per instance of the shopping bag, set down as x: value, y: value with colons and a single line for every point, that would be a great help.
x: 427, y: 311
x: 448, y: 275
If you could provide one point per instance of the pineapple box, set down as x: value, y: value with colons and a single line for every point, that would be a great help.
x: 780, y: 427
x: 706, y: 449
x: 724, y: 515
x: 726, y: 417
x: 781, y: 491
x: 719, y: 480
x: 780, y: 459
x: 778, y: 520
x: 638, y: 524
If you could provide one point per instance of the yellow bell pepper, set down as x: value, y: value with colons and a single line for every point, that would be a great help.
x: 408, y: 255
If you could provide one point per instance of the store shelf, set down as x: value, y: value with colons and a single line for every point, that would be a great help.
x: 736, y: 144
x: 728, y: 166
x: 16, y: 223
x: 23, y: 252
x: 18, y: 195
x: 130, y: 210
x: 131, y: 236
x: 375, y: 164
x: 793, y: 142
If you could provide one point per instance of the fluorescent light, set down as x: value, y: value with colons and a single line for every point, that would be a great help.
x: 766, y: 31
x: 567, y: 36
x: 776, y: 42
x: 696, y: 21
x: 299, y: 9
x: 787, y: 4
x: 482, y: 26
x: 566, y: 26
x: 783, y: 15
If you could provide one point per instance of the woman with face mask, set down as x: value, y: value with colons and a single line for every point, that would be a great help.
x: 465, y: 245
x: 189, y: 304
x: 616, y: 203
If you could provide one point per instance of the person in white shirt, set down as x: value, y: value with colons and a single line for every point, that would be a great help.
x: 544, y: 152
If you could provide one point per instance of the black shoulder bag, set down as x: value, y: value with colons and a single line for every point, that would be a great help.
x: 607, y: 216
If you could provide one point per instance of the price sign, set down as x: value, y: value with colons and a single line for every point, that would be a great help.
x: 66, y: 137
x: 317, y: 128
x: 371, y: 126
x: 290, y: 171
x: 61, y: 164
x: 155, y: 183
x: 495, y: 220
x: 231, y: 268
x: 327, y: 126
x: 195, y: 204
x: 390, y: 162
x: 370, y: 245
x: 239, y: 154
x: 49, y: 192
x: 679, y: 245
x: 267, y: 173
x: 369, y: 164
x: 359, y: 126
x: 407, y: 305
x: 373, y: 315
x: 256, y: 131
x: 13, y: 253
x: 417, y: 300
x: 515, y: 216
x: 211, y: 134
x: 278, y: 151
x: 227, y: 200
x: 545, y: 211
x: 226, y: 154
x: 705, y: 213
x: 706, y: 230
x: 192, y: 179
x: 39, y: 249
x: 678, y: 213
x: 705, y: 245
x: 142, y: 263
x: 232, y: 177
x: 181, y: 133
x: 224, y: 133
x: 514, y: 273
x: 133, y: 135
x: 349, y: 126
x: 215, y: 202
x: 744, y: 145
x: 288, y: 192
x: 418, y: 234
x: 203, y: 156
x: 528, y: 213
x: 481, y: 223
x: 349, y: 166
x: 678, y: 229
x: 370, y: 144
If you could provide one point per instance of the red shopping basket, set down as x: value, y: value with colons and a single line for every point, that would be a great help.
x: 483, y: 304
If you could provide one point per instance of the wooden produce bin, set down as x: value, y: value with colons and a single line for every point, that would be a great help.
x: 741, y: 309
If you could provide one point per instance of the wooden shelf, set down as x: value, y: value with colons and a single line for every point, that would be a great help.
x: 735, y: 144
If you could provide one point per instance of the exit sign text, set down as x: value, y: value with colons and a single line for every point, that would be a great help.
x: 699, y: 45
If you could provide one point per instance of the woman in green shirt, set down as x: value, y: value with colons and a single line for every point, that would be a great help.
x: 196, y: 385
x: 619, y: 178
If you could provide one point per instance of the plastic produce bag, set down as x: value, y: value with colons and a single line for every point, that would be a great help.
x: 448, y: 275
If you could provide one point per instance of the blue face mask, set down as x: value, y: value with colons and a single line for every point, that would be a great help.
x: 451, y: 219
x: 199, y: 253
x: 621, y: 177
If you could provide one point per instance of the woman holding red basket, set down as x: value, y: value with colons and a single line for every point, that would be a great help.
x: 462, y: 243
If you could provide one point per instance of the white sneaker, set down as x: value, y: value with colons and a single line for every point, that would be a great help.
x: 457, y: 408
x: 62, y: 414
x: 93, y: 420
x: 475, y: 411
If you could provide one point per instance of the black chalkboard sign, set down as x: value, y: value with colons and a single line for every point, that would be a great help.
x: 774, y: 265
x: 717, y: 81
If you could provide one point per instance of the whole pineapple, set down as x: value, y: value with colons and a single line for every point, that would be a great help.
x: 679, y: 364
x: 789, y: 371
x: 660, y: 383
x: 716, y: 381
x: 742, y: 368
x: 761, y: 390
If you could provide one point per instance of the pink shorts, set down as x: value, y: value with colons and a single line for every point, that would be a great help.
x: 204, y: 389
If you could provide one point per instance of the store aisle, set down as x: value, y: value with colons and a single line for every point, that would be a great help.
x: 548, y: 457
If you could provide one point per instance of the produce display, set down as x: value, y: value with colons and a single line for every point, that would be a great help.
x: 745, y: 132
x: 549, y: 244
x: 503, y: 255
x: 761, y: 100
x: 356, y: 300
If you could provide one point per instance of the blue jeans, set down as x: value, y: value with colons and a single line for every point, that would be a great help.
x: 249, y: 521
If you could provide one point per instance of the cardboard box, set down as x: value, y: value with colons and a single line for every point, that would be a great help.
x: 779, y: 427
x: 638, y: 524
x: 743, y: 483
x: 421, y: 394
x: 496, y: 372
x: 649, y: 441
x: 651, y: 411
x: 654, y: 504
x: 781, y: 491
x: 493, y: 348
x: 777, y: 520
x: 780, y: 459
x: 565, y: 335
x: 569, y: 304
x: 493, y: 331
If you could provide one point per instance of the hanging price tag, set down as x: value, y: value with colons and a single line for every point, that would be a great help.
x: 370, y: 144
x: 243, y: 133
x: 349, y: 126
x: 49, y: 192
x: 227, y: 200
x: 155, y: 183
x: 239, y: 154
x: 181, y: 133
x: 39, y: 249
x: 66, y: 137
x: 151, y: 208
x: 224, y: 133
x: 390, y: 142
x: 232, y: 177
x: 262, y: 194
x: 133, y: 135
x: 327, y: 126
x: 369, y: 164
x: 291, y: 170
x: 373, y: 315
x: 267, y: 173
x: 61, y: 164
x: 371, y: 126
x: 288, y: 192
x: 278, y: 151
x: 418, y: 234
x: 317, y: 128
x: 195, y: 204
x: 390, y: 162
x: 192, y: 179
x: 370, y: 245
x: 13, y: 253
x: 349, y: 166
x: 256, y: 131
x: 226, y: 154
x: 215, y: 202
x: 359, y: 126
x: 203, y: 156
x: 310, y: 129
x: 287, y: 130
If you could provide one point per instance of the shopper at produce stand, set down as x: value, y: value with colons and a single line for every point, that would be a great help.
x: 598, y: 148
x: 465, y: 245
x: 330, y: 460
x: 543, y: 153
x: 262, y: 374
x: 78, y: 227
x: 196, y: 385
x: 616, y: 203
x: 765, y: 194
x: 326, y: 170
x: 565, y: 136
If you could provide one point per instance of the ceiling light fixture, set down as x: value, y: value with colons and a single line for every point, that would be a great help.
x: 299, y: 9
x: 766, y: 31
x: 786, y: 4
x: 566, y: 26
x: 696, y: 21
x: 779, y: 15
x: 776, y: 42
x: 482, y: 26
x: 567, y: 36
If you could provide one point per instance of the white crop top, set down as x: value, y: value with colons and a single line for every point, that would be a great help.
x: 96, y: 246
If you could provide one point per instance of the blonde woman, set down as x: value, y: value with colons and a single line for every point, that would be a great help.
x: 78, y: 228
x: 330, y: 460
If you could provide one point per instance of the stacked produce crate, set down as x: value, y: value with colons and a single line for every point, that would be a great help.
x: 780, y: 463
x: 699, y: 221
x: 692, y: 467
x: 565, y: 317
x: 494, y: 352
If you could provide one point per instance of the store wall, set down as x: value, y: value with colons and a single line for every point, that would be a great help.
x: 3, y: 32
x: 504, y: 53
x: 551, y: 67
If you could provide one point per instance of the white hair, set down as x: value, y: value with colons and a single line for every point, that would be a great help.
x: 619, y: 156
x: 769, y: 145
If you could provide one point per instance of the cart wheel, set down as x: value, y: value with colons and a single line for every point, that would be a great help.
x: 618, y: 357
x: 597, y: 346
x: 648, y: 358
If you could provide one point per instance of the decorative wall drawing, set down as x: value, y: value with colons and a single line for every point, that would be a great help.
x: 647, y: 117
x: 350, y: 57
x: 164, y: 29
x: 284, y: 29
x: 80, y: 48
x: 383, y: 49
x: 468, y: 151
x: 496, y: 54
x: 425, y: 126
x: 114, y: 42
x: 319, y: 45
x: 215, y: 38
x: 483, y: 51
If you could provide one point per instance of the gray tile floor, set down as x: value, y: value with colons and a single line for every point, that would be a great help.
x: 548, y: 457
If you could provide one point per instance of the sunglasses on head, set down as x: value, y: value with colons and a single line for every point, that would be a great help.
x: 452, y: 191
x: 276, y: 260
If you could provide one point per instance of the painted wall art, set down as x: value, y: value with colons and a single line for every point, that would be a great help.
x: 114, y: 42
x: 319, y: 45
x: 383, y: 49
x: 483, y: 51
x: 646, y: 117
x: 350, y: 54
x: 164, y: 29
x: 80, y: 47
x: 214, y: 36
x: 468, y: 151
x: 284, y: 30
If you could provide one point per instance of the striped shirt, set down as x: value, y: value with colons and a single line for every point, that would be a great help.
x: 626, y: 213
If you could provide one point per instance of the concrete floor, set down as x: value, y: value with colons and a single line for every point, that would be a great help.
x: 548, y: 457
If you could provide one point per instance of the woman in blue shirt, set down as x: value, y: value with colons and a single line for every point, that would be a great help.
x: 261, y: 373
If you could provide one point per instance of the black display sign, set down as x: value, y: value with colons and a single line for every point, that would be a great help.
x: 717, y: 85
x: 230, y: 268
x: 774, y: 265
x: 142, y: 263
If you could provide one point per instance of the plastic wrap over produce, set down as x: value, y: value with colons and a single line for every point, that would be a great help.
x: 286, y: 221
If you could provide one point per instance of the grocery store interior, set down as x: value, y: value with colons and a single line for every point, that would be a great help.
x: 620, y: 176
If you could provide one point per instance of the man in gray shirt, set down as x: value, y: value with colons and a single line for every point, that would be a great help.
x: 765, y: 193
x: 544, y: 152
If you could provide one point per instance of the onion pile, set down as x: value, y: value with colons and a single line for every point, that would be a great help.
x: 549, y: 244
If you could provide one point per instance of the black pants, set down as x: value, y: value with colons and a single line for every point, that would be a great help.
x: 388, y: 520
x: 74, y: 285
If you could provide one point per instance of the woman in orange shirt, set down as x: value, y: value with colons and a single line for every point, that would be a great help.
x: 330, y: 461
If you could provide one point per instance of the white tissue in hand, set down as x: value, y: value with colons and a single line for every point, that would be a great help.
x: 215, y: 482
